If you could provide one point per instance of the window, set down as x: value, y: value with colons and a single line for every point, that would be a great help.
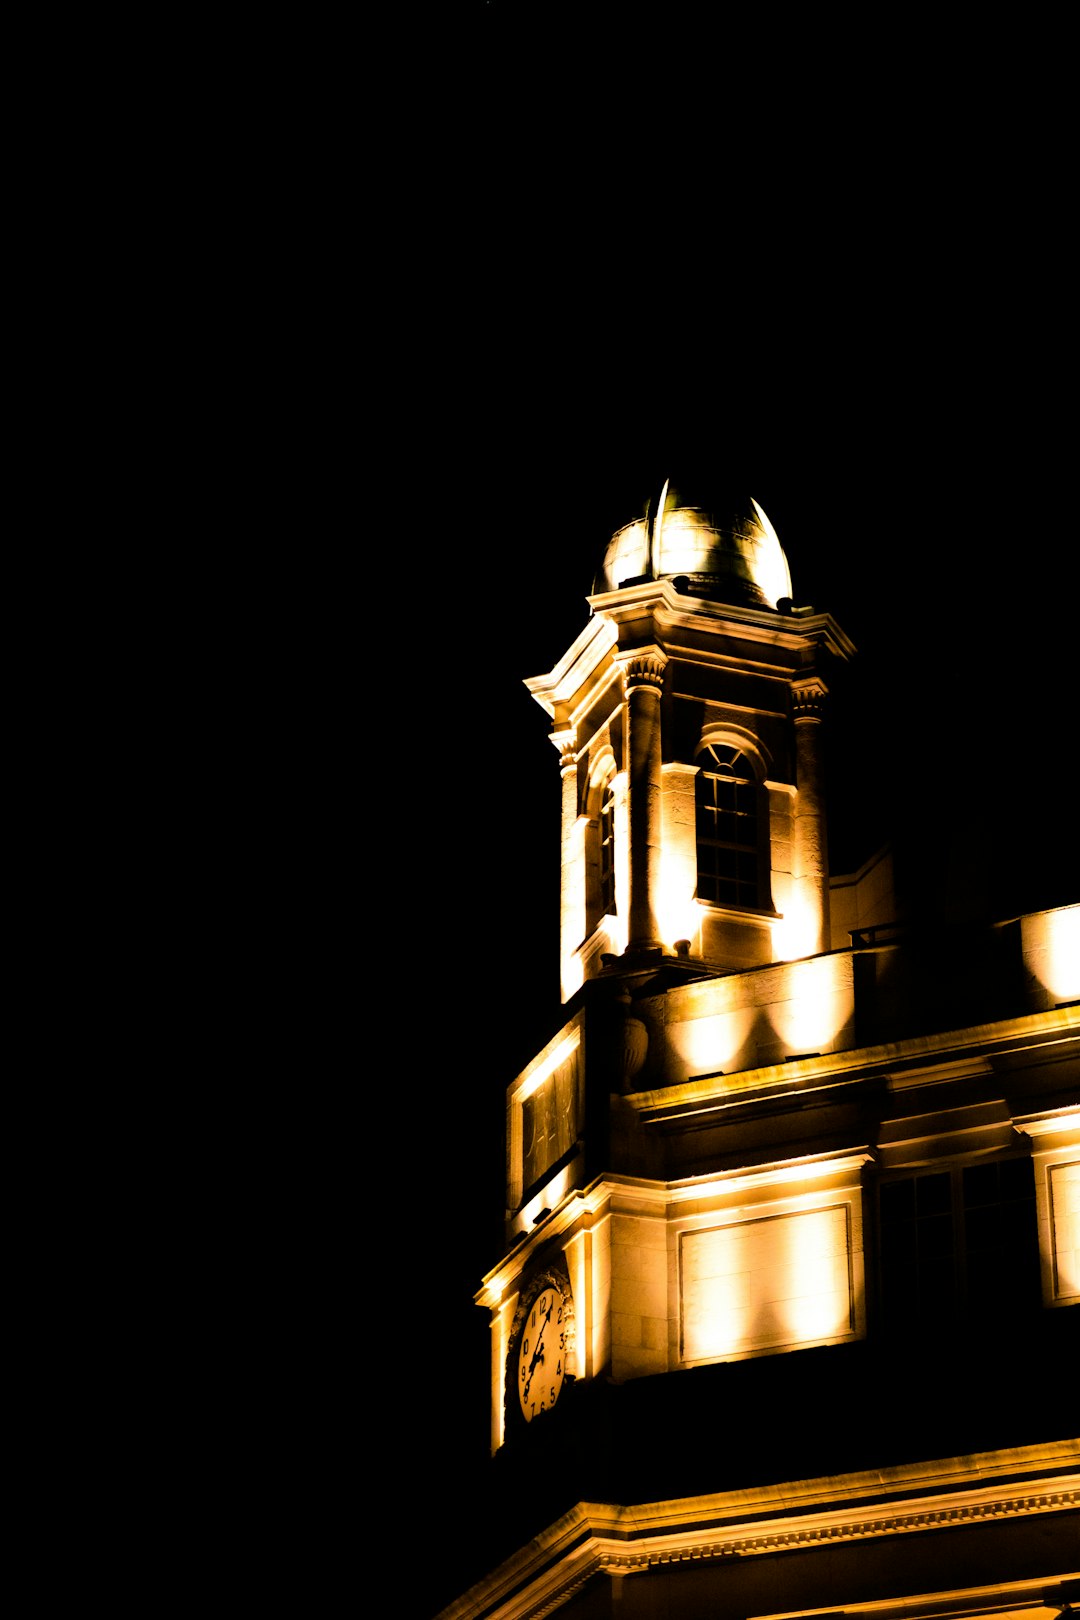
x: 728, y: 845
x: 600, y: 888
x: 958, y: 1245
x: 607, y: 849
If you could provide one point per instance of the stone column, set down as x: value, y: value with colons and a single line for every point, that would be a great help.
x: 571, y: 873
x: 643, y: 676
x: 811, y: 843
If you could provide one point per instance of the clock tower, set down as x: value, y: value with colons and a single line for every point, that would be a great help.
x: 687, y: 719
x: 782, y: 1170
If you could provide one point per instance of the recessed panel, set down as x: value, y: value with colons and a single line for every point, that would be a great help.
x: 766, y: 1284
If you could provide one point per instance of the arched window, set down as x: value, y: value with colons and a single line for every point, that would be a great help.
x: 728, y: 837
x: 599, y: 807
x: 606, y: 832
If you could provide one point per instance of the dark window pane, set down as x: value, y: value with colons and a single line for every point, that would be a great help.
x: 936, y: 1287
x: 990, y: 1295
x: 982, y: 1229
x: 980, y: 1184
x: 1017, y: 1178
x: 904, y: 1281
x: 897, y: 1200
x: 933, y: 1194
x: 935, y: 1236
x: 898, y: 1243
x: 1017, y: 1225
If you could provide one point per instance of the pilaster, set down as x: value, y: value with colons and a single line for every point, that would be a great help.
x: 811, y: 875
x: 643, y: 679
x: 571, y: 866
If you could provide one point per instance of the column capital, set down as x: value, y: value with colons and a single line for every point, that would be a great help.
x: 808, y: 694
x: 566, y: 743
x: 644, y: 667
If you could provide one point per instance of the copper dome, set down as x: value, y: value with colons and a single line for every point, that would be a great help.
x: 724, y: 547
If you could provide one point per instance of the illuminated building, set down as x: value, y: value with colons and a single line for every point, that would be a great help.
x: 786, y: 1323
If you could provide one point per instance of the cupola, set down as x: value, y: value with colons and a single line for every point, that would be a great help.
x: 687, y: 720
x: 717, y: 546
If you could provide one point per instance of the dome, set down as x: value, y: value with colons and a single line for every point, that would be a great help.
x: 726, y: 549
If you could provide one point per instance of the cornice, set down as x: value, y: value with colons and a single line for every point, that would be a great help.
x: 654, y: 617
x: 671, y: 610
x: 716, y: 1092
x: 1051, y: 1122
x: 578, y: 667
x: 797, y: 1516
x: 799, y: 1532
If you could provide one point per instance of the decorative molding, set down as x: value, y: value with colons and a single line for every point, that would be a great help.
x: 1063, y: 1224
x: 951, y: 1494
x: 1052, y: 1122
x: 935, y: 1074
x: 1041, y: 1599
x: 730, y: 734
x: 1027, y: 1033
x: 797, y: 1534
x: 602, y: 762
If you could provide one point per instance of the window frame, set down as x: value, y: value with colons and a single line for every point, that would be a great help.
x: 747, y: 896
x: 601, y: 879
x: 968, y: 1303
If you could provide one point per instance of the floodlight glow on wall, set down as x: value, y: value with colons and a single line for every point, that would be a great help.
x: 1058, y: 966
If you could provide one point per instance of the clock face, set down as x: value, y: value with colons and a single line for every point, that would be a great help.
x: 542, y: 1354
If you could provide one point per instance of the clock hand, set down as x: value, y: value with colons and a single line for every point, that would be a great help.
x: 528, y: 1382
x: 538, y: 1353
